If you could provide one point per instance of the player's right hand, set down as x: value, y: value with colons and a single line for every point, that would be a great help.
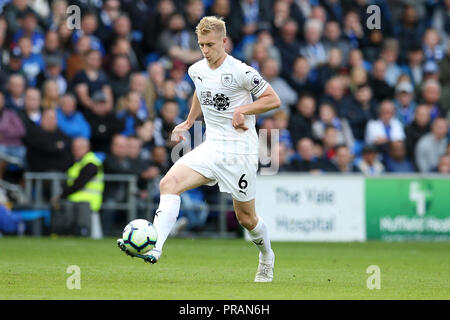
x: 179, y: 130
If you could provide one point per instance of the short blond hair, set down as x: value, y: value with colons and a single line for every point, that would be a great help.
x: 209, y: 24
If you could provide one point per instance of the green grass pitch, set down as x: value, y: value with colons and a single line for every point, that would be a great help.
x: 35, y: 268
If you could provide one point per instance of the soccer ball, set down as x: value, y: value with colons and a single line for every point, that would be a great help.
x: 139, y: 236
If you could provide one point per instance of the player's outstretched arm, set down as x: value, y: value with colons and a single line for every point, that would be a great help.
x: 268, y: 100
x: 194, y: 112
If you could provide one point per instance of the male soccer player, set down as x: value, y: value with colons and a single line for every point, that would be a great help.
x: 229, y: 156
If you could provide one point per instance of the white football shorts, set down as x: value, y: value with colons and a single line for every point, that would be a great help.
x: 235, y: 173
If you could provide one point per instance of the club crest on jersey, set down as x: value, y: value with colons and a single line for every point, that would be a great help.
x: 227, y: 79
x: 221, y: 102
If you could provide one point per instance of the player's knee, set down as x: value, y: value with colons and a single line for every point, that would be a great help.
x: 247, y: 221
x: 168, y: 185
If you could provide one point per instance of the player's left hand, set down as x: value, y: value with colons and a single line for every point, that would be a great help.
x: 238, y: 121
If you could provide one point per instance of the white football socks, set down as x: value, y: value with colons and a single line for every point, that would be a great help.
x: 165, y: 217
x: 260, y: 237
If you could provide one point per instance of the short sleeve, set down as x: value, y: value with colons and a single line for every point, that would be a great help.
x: 190, y: 73
x: 252, y: 81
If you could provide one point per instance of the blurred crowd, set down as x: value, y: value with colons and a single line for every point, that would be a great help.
x: 352, y: 99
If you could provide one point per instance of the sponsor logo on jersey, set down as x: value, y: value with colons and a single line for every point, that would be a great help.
x: 206, y: 98
x: 221, y: 102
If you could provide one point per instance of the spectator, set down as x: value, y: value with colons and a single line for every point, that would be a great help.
x: 440, y: 18
x: 432, y: 46
x: 70, y: 121
x: 333, y: 40
x: 418, y: 128
x: 160, y: 159
x: 258, y: 54
x: 336, y: 93
x: 396, y: 161
x: 386, y: 128
x: 154, y: 86
x: 119, y: 78
x: 107, y: 15
x: 48, y: 148
x: 414, y: 66
x: 194, y: 11
x: 431, y: 96
x: 178, y: 42
x: 131, y: 114
x: 314, y: 50
x: 53, y: 72
x: 12, y: 12
x: 14, y: 65
x: 90, y: 80
x: 352, y: 29
x: 88, y: 27
x: 281, y: 12
x: 11, y: 133
x: 343, y: 161
x: 359, y: 111
x: 138, y: 83
x: 116, y: 162
x: 328, y: 117
x: 430, y: 71
x: 58, y: 14
x: 84, y: 187
x: 300, y: 122
x: 32, y: 63
x: 405, y: 106
x: 157, y: 23
x: 129, y: 47
x: 301, y: 78
x: 31, y: 113
x: 410, y: 29
x: 183, y: 88
x: 389, y: 54
x: 330, y: 142
x: 144, y: 132
x: 121, y: 46
x: 50, y: 94
x: 29, y: 28
x: 356, y: 59
x: 381, y: 89
x: 222, y: 8
x: 332, y: 68
x: 369, y: 164
x: 280, y: 122
x: 432, y: 146
x: 103, y: 122
x: 166, y: 123
x: 444, y: 165
x: 169, y: 94
x: 289, y: 47
x: 270, y: 72
x: 144, y: 170
x: 374, y: 45
x: 75, y: 61
x: 15, y: 95
x: 65, y: 36
x: 250, y: 15
x: 358, y: 77
x: 306, y: 162
x: 264, y: 37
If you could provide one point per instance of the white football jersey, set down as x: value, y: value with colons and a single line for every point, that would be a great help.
x: 220, y: 92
